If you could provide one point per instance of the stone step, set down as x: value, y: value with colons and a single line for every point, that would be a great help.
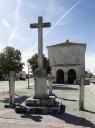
x: 50, y: 101
x: 44, y: 110
x: 40, y: 109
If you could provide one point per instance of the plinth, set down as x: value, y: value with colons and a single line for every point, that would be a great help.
x: 40, y: 78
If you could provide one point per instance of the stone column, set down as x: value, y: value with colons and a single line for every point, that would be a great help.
x: 40, y: 45
x: 65, y: 77
x: 12, y: 88
x: 81, y: 100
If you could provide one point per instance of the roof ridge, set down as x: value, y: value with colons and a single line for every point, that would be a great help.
x: 66, y: 43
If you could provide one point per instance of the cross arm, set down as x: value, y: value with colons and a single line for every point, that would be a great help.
x: 34, y: 25
x: 48, y: 24
x: 37, y: 25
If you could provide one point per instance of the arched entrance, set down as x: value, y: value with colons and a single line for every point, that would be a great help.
x: 60, y: 76
x: 71, y: 76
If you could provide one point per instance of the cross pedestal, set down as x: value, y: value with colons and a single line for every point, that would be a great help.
x: 40, y: 84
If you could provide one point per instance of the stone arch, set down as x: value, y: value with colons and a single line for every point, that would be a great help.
x: 71, y: 76
x: 60, y: 76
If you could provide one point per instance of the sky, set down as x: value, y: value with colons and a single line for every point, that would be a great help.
x: 70, y: 19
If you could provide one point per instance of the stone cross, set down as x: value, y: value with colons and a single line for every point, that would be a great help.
x: 40, y: 25
x: 40, y: 75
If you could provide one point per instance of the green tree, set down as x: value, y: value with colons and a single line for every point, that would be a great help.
x: 33, y: 61
x: 10, y: 60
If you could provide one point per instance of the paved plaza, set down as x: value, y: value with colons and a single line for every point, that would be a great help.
x: 68, y: 94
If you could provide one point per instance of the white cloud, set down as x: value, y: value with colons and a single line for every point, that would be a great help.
x: 52, y: 6
x: 53, y: 10
x: 64, y: 15
x: 90, y: 62
x: 25, y: 56
x: 5, y: 23
x: 2, y: 46
x: 11, y: 44
x: 13, y: 33
x: 62, y: 23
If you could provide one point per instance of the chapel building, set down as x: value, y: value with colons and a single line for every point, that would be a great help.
x: 67, y: 61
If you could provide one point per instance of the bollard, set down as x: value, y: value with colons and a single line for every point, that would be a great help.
x: 12, y: 88
x: 50, y: 84
x: 81, y: 100
x: 28, y: 77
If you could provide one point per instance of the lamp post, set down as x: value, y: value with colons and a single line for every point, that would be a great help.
x: 28, y: 77
x: 55, y: 66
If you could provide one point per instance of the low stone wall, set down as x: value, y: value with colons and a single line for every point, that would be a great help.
x: 86, y: 82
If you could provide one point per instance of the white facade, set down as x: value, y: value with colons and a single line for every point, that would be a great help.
x: 68, y: 58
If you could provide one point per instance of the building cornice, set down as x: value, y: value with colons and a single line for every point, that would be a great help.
x: 67, y: 43
x: 66, y: 65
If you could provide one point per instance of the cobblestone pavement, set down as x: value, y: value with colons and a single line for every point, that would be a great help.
x: 72, y: 118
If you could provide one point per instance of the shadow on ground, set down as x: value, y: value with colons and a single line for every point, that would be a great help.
x: 64, y: 88
x: 19, y: 99
x: 75, y: 120
x: 36, y: 118
x: 5, y: 100
x: 68, y: 118
x: 66, y: 99
x: 88, y: 111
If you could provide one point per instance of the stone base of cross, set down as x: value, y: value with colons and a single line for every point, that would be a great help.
x: 40, y: 78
